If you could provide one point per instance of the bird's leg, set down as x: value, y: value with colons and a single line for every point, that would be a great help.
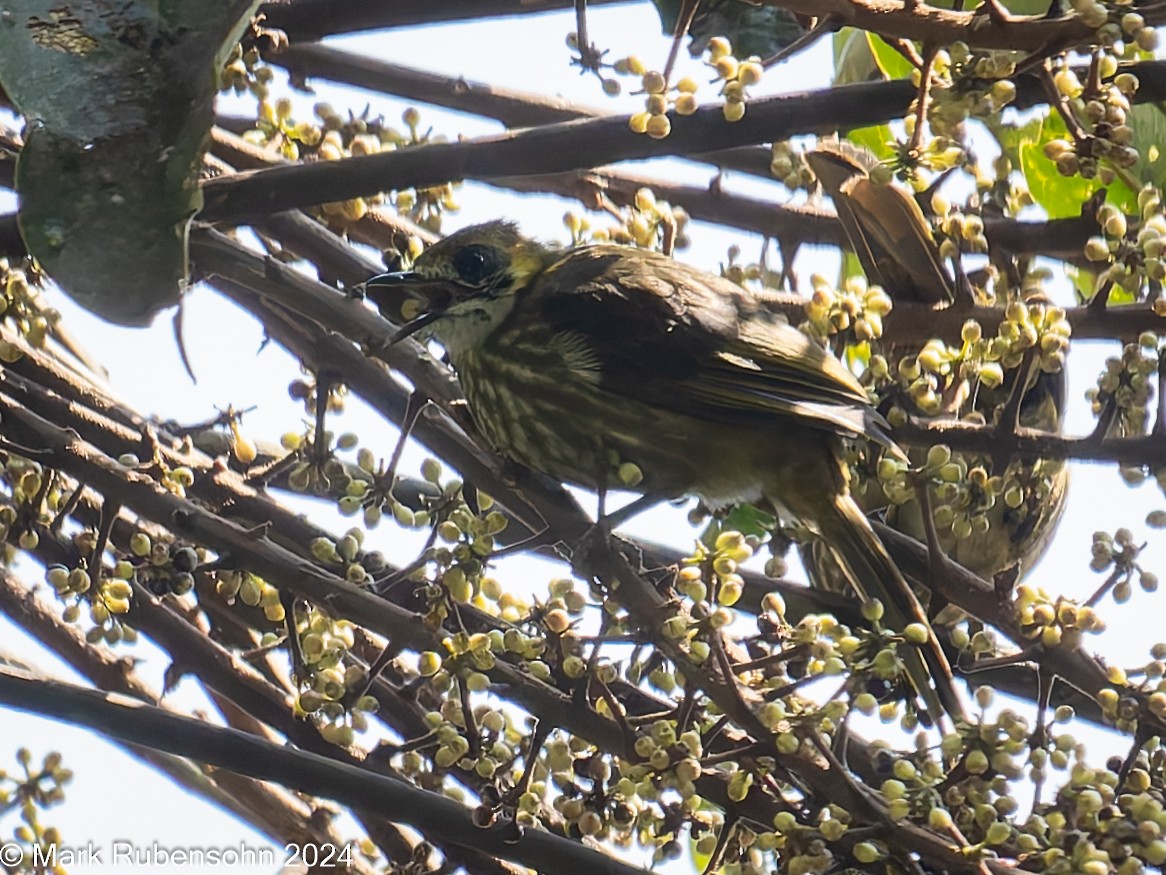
x: 326, y: 380
x: 390, y: 652
x: 516, y: 475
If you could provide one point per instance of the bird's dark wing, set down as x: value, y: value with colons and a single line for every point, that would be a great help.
x: 685, y: 340
x: 885, y: 227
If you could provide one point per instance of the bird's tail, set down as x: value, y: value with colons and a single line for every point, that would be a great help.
x: 873, y: 574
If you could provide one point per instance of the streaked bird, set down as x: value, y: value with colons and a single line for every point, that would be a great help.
x: 893, y: 241
x: 612, y: 367
x: 885, y: 226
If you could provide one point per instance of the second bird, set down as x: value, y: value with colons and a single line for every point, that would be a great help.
x: 892, y: 239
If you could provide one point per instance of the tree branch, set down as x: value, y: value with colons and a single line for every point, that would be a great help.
x: 930, y: 24
x: 272, y: 812
x: 578, y: 145
x: 551, y: 148
x: 433, y: 813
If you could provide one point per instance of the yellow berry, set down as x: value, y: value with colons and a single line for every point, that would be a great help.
x: 658, y: 127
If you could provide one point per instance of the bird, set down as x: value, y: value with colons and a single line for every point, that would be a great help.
x: 1010, y: 539
x: 884, y: 225
x: 608, y: 366
x: 892, y: 239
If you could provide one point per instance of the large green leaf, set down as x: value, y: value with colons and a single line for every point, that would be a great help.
x: 855, y: 61
x: 748, y: 520
x: 1060, y: 196
x: 119, y: 101
x: 1084, y: 283
x: 859, y: 55
x: 850, y: 267
x: 1010, y: 136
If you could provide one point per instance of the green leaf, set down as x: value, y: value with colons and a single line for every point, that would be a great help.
x: 860, y: 56
x: 108, y: 176
x: 892, y: 64
x: 1084, y: 282
x: 1060, y: 196
x: 1010, y: 136
x: 744, y: 518
x: 851, y: 267
x: 699, y: 861
x: 854, y: 62
x: 876, y: 139
x: 748, y: 520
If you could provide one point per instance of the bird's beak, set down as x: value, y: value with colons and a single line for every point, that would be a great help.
x: 397, y: 294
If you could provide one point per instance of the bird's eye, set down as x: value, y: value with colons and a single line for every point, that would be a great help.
x: 477, y: 264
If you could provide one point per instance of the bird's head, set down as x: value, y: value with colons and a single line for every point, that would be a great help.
x: 464, y: 285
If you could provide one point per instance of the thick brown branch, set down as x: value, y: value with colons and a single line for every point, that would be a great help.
x: 929, y: 24
x: 528, y: 109
x: 379, y: 227
x: 578, y: 145
x: 803, y: 223
x: 431, y: 812
x: 1028, y: 443
x: 274, y: 813
x: 551, y: 148
x: 514, y: 109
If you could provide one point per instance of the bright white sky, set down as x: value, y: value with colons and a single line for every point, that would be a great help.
x: 112, y: 796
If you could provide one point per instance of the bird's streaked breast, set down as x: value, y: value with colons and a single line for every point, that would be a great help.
x: 541, y: 404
